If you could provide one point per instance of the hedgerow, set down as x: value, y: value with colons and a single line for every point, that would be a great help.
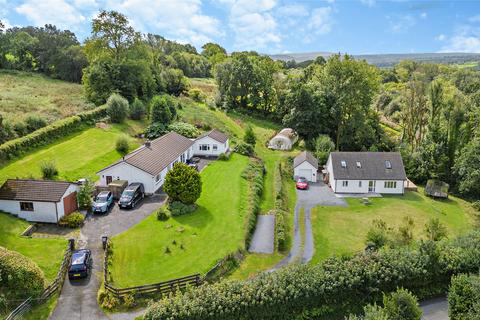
x: 329, y: 290
x: 20, y: 277
x: 281, y: 208
x: 253, y: 173
x: 45, y: 135
x: 464, y: 297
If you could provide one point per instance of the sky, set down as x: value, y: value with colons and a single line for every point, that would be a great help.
x: 276, y: 26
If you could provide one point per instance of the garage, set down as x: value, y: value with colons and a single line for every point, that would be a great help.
x: 305, y: 165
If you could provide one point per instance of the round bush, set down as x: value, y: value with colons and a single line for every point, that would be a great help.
x: 73, y: 220
x: 137, y: 109
x: 49, y: 169
x: 245, y: 149
x: 183, y: 184
x: 117, y: 108
x: 185, y: 129
x: 122, y: 145
x: 20, y: 277
x: 163, y: 214
x: 178, y: 208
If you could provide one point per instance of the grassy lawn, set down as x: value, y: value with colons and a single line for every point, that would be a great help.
x: 24, y: 93
x: 207, y: 235
x: 77, y: 156
x: 254, y: 264
x: 46, y: 252
x: 341, y: 230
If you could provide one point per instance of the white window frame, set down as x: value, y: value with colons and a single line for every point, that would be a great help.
x: 345, y: 183
x: 214, y: 147
x: 204, y: 147
x: 390, y: 184
x: 29, y: 203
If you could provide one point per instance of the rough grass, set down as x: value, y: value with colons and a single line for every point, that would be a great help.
x: 207, y: 235
x: 80, y: 155
x: 342, y: 230
x: 25, y: 93
x: 46, y: 252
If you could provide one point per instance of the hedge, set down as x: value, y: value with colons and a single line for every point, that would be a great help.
x: 45, y: 135
x: 253, y: 173
x: 464, y: 297
x: 330, y: 290
x: 281, y: 210
x: 20, y: 277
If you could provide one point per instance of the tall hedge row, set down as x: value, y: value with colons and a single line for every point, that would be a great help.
x: 253, y: 173
x: 464, y: 297
x: 45, y: 135
x: 20, y: 277
x: 330, y: 290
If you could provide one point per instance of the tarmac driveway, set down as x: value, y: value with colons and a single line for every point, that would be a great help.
x: 78, y: 299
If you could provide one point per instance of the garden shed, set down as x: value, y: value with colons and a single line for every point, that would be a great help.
x: 437, y: 189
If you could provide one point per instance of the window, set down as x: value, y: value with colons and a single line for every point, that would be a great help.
x: 158, y: 177
x: 345, y: 183
x: 388, y: 164
x: 215, y: 147
x: 359, y: 165
x: 390, y: 184
x: 204, y: 147
x: 360, y: 184
x: 182, y: 158
x: 26, y: 206
x: 343, y: 163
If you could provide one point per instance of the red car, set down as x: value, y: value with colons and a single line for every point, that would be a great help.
x: 302, y: 183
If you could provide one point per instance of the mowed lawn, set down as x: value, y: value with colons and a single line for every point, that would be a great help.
x: 46, y: 252
x: 78, y: 156
x: 196, y: 241
x: 342, y: 230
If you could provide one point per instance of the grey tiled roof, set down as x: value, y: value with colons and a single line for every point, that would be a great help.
x: 33, y: 190
x: 215, y: 135
x: 372, y: 166
x: 305, y: 156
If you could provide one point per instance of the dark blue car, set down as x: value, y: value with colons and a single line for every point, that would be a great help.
x: 80, y: 264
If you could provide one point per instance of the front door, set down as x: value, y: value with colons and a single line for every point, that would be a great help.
x: 371, y: 186
x: 108, y: 179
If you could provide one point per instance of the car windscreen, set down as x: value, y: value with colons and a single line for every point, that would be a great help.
x: 78, y: 258
x: 128, y: 193
x: 102, y: 198
x: 302, y: 180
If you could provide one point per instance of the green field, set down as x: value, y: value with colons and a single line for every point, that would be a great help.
x: 342, y: 230
x: 215, y: 229
x: 77, y: 156
x: 46, y: 252
x: 24, y: 93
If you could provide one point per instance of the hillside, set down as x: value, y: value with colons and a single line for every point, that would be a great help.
x: 389, y: 60
x: 25, y: 93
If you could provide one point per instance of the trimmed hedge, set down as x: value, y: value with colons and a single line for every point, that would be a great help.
x: 253, y: 173
x: 464, y: 297
x: 20, y: 277
x: 45, y: 135
x: 282, y: 171
x: 330, y: 290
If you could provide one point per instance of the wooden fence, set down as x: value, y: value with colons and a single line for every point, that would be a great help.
x: 55, y: 286
x: 162, y: 288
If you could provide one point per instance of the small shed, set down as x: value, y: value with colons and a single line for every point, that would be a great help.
x: 437, y: 189
x: 283, y: 140
x: 305, y: 165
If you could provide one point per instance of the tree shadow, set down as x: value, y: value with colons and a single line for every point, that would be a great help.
x: 200, y: 218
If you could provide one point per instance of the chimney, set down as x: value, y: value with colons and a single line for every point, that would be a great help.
x: 147, y: 143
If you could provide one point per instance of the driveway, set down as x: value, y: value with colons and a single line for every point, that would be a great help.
x: 78, y: 299
x: 318, y: 194
x: 264, y: 235
x: 435, y: 309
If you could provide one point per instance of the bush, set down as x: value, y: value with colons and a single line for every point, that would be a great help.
x: 34, y: 122
x: 185, y: 129
x: 178, y: 208
x: 476, y: 205
x: 183, y: 183
x: 155, y: 130
x: 20, y: 277
x: 435, y: 230
x: 377, y: 235
x: 117, y: 108
x: 45, y: 135
x: 137, y: 109
x: 223, y: 157
x: 49, y: 169
x: 122, y: 145
x: 330, y: 290
x: 162, y: 109
x: 163, y: 214
x: 245, y: 149
x: 197, y: 95
x: 254, y: 174
x: 129, y: 300
x: 464, y: 297
x: 84, y: 195
x: 73, y: 220
x: 402, y: 305
x: 107, y: 300
x: 249, y: 136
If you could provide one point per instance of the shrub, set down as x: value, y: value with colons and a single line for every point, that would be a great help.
x: 73, y: 220
x: 34, y: 122
x: 223, y: 157
x: 137, y: 109
x: 117, y: 108
x: 178, y: 208
x: 253, y: 173
x: 435, y: 230
x: 372, y: 312
x: 108, y: 301
x: 20, y: 277
x: 402, y: 305
x: 249, y: 136
x: 185, y: 129
x: 245, y: 149
x: 196, y: 94
x: 155, y: 130
x: 122, y: 145
x: 183, y: 183
x: 476, y: 205
x: 163, y: 214
x: 129, y: 300
x: 162, y: 109
x: 377, y: 235
x: 84, y: 195
x: 49, y: 169
x: 464, y: 297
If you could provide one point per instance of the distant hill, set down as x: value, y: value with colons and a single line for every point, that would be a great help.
x: 388, y: 60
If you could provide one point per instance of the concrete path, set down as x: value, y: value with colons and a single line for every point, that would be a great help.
x: 78, y: 299
x: 435, y: 309
x: 264, y: 235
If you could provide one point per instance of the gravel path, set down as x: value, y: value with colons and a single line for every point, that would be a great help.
x: 435, y: 309
x: 264, y: 235
x: 78, y: 299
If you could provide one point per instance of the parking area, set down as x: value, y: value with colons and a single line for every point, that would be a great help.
x: 318, y: 194
x: 78, y: 299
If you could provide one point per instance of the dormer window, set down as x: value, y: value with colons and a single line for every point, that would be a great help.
x: 343, y: 163
x: 359, y: 165
x: 388, y: 164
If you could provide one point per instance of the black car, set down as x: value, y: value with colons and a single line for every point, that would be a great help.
x: 80, y: 264
x: 131, y: 195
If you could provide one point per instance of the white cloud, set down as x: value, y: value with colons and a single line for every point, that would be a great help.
x: 475, y: 18
x: 293, y: 10
x: 440, y: 37
x: 57, y: 12
x: 3, y: 8
x: 466, y: 39
x: 181, y: 20
x: 401, y: 23
x: 321, y: 21
x: 6, y: 24
x: 82, y: 4
x: 369, y: 3
x: 423, y: 15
